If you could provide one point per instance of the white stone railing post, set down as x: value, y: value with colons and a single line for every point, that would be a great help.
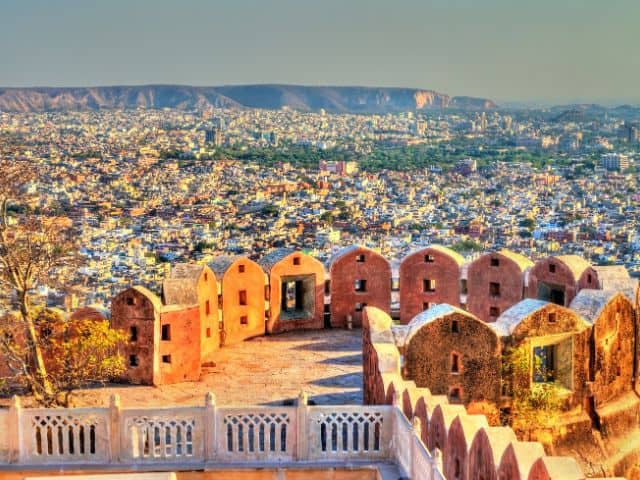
x: 302, y: 434
x: 16, y: 440
x: 210, y: 427
x: 417, y: 428
x: 115, y: 435
x: 437, y: 463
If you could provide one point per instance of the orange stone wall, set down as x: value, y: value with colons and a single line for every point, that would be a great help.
x: 481, y: 274
x: 345, y: 270
x: 541, y: 272
x: 143, y: 316
x: 182, y: 347
x: 307, y: 265
x: 209, y: 331
x: 414, y: 270
x: 251, y: 281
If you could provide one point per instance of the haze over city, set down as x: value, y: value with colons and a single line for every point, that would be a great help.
x: 284, y: 240
x: 545, y: 51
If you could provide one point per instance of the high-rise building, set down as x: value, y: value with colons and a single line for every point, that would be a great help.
x: 614, y: 162
x: 484, y: 123
x: 214, y: 136
x: 630, y: 132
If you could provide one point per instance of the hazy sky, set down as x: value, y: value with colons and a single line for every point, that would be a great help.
x: 554, y: 50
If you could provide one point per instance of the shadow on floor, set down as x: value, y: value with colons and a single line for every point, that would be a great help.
x: 346, y: 380
x: 346, y: 360
x: 325, y: 346
x: 352, y: 397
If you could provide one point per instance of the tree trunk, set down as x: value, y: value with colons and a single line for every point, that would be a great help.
x: 32, y: 338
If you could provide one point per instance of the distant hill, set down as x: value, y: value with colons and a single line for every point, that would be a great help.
x: 304, y: 98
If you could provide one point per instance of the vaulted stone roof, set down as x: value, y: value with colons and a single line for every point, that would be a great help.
x: 616, y: 277
x: 221, y: 264
x: 576, y: 264
x: 346, y: 250
x: 431, y: 315
x: 179, y: 291
x: 270, y: 259
x: 153, y: 298
x: 507, y: 322
x: 186, y: 270
x: 589, y: 303
x: 520, y: 260
x: 455, y: 256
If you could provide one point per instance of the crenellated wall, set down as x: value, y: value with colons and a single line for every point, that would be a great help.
x: 470, y: 449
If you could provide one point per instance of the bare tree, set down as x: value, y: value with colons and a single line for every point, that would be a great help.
x: 33, y: 251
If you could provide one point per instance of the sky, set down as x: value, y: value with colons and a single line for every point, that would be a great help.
x: 506, y: 50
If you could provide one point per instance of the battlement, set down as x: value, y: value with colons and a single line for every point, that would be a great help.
x: 204, y: 307
x: 470, y: 448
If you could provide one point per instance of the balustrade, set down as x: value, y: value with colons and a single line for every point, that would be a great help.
x: 203, y: 435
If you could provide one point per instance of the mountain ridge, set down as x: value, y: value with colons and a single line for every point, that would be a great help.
x: 334, y: 99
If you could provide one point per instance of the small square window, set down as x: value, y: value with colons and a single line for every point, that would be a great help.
x: 495, y: 262
x: 428, y: 285
x: 425, y: 305
x: 455, y: 328
x: 429, y: 259
x: 241, y: 268
x: 133, y: 334
x: 166, y: 332
x: 131, y: 301
x: 455, y: 363
x: 552, y: 268
x: 552, y: 317
x: 494, y: 311
x: 360, y: 258
x: 133, y: 361
x: 242, y: 297
x: 244, y: 320
x: 166, y: 358
x: 454, y: 395
x: 296, y: 260
x: 360, y: 285
x: 494, y: 289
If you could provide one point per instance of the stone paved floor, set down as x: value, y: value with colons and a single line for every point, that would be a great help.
x: 271, y: 370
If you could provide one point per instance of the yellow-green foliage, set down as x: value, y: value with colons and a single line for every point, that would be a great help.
x: 534, y: 406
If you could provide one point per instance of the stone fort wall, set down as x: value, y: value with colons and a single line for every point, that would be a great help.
x: 469, y: 447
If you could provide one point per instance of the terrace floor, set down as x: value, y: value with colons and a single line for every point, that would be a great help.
x: 270, y: 370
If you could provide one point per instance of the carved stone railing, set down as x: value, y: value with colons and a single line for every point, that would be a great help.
x: 201, y: 436
x: 51, y: 436
x: 172, y: 434
x: 256, y: 434
x: 342, y: 432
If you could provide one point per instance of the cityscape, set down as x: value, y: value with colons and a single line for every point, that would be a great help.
x: 337, y: 240
x: 540, y: 183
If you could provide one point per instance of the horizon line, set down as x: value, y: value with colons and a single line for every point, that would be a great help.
x: 521, y: 102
